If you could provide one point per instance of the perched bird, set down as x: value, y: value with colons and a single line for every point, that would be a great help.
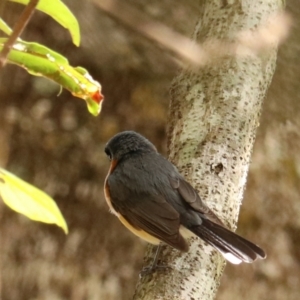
x: 149, y: 196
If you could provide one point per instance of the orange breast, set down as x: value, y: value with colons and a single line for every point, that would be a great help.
x: 138, y: 232
x: 113, y: 164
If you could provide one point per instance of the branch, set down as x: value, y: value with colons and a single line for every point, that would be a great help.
x: 17, y: 30
x: 246, y: 43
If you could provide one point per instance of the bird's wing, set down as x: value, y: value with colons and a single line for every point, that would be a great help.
x: 190, y: 195
x: 145, y: 211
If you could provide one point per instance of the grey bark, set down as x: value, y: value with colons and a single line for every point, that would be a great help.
x: 214, y: 115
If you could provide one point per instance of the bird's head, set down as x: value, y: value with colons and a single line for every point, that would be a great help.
x: 127, y: 142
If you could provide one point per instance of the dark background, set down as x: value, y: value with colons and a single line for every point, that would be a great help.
x: 54, y: 143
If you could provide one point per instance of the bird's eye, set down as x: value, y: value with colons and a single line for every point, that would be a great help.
x: 108, y: 153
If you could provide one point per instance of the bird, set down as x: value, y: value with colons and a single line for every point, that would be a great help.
x: 154, y: 201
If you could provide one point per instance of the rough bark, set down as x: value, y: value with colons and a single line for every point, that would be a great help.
x: 214, y: 114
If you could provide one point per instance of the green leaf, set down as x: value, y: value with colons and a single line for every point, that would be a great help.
x: 4, y: 27
x: 61, y: 14
x: 29, y: 201
x: 41, y: 61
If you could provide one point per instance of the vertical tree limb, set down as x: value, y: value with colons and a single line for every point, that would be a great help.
x: 214, y: 114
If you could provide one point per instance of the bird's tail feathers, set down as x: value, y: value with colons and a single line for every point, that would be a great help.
x: 233, y: 247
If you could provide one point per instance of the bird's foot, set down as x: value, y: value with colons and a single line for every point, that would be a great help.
x: 150, y: 269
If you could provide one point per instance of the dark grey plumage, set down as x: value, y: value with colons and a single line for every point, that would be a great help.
x: 151, y: 195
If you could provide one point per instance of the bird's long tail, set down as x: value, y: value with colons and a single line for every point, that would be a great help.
x: 233, y: 247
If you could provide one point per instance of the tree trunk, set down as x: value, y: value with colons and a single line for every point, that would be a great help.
x: 214, y: 114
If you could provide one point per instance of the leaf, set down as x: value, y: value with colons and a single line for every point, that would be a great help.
x: 61, y: 14
x: 29, y: 201
x: 4, y: 27
x: 39, y: 60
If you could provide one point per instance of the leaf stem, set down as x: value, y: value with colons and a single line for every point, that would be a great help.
x: 17, y: 30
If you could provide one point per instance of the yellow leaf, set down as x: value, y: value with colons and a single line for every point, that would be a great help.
x: 29, y: 200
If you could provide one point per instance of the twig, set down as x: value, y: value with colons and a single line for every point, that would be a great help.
x: 152, y: 30
x: 248, y: 42
x: 17, y: 30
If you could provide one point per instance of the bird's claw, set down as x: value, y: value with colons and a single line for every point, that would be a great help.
x: 150, y: 269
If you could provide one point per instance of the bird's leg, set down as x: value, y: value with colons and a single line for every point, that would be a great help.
x: 155, y: 260
x: 149, y: 269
